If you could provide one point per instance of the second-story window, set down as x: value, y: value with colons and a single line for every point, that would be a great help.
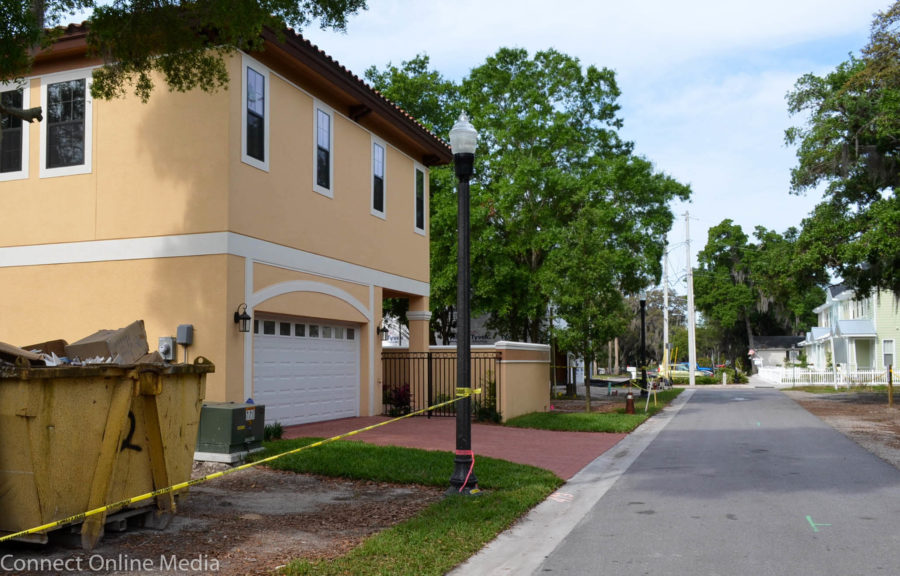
x: 255, y: 115
x: 66, y: 129
x: 66, y: 103
x: 323, y: 159
x: 377, y: 179
x: 420, y: 200
x: 11, y: 146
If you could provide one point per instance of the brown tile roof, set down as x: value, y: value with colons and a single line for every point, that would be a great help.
x: 308, y: 54
x: 363, y: 99
x: 299, y: 37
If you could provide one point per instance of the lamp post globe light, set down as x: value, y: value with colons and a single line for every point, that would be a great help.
x: 463, y: 139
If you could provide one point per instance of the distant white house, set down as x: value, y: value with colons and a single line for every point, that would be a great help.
x: 771, y: 351
x: 854, y: 334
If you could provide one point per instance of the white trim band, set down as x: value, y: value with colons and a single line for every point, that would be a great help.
x: 504, y: 345
x: 207, y: 244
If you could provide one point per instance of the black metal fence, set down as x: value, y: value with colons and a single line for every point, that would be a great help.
x: 415, y: 380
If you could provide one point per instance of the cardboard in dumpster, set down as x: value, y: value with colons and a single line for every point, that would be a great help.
x: 57, y: 347
x: 9, y: 353
x: 152, y: 358
x: 128, y: 343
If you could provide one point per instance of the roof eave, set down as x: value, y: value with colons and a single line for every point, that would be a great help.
x: 437, y: 152
x: 432, y: 151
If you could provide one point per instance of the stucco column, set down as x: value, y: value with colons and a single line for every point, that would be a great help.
x: 371, y: 357
x: 419, y: 317
x: 419, y: 323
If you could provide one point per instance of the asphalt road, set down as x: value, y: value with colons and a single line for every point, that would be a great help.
x: 739, y: 482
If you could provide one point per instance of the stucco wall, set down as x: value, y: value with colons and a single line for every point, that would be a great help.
x: 282, y: 206
x: 39, y: 303
x: 158, y: 168
x: 523, y: 378
x: 525, y: 374
x: 173, y: 166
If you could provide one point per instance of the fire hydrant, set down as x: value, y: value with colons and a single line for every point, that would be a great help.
x: 629, y: 403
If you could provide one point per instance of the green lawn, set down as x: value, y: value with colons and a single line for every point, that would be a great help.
x: 444, y: 534
x: 448, y: 532
x: 618, y: 422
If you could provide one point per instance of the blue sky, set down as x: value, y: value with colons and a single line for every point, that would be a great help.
x: 703, y: 81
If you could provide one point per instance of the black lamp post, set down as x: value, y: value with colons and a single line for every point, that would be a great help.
x: 463, y: 138
x: 643, y: 344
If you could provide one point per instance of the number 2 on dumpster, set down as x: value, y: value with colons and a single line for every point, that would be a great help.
x: 126, y: 443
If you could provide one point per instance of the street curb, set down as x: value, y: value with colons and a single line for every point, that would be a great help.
x: 524, y: 547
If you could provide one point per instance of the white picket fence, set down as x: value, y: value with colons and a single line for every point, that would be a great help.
x: 789, y: 377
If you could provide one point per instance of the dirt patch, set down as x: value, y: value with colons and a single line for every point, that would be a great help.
x: 250, y: 522
x: 600, y: 402
x: 864, y: 417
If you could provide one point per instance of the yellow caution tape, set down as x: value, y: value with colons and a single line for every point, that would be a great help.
x: 461, y: 392
x: 181, y: 486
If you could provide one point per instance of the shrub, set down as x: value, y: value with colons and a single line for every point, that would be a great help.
x: 487, y: 413
x: 273, y: 431
x: 399, y: 399
x: 484, y: 406
x: 697, y: 380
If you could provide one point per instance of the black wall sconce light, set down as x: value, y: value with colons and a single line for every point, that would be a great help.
x: 241, y: 318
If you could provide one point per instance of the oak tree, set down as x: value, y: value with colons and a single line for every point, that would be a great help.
x: 184, y: 41
x: 850, y: 143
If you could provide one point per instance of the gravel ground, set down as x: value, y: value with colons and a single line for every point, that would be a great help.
x: 250, y: 522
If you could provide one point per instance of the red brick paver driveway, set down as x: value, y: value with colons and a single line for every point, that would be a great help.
x: 563, y: 453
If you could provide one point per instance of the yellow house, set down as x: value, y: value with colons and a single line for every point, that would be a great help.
x: 299, y: 192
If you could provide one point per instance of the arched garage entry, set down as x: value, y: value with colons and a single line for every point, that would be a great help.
x: 306, y: 352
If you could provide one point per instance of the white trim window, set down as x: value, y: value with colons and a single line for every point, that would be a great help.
x: 420, y: 212
x: 888, y: 355
x: 255, y: 115
x: 378, y: 179
x: 323, y: 150
x: 66, y: 132
x: 14, y: 143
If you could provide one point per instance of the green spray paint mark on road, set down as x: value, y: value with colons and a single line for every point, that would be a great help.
x: 815, y: 525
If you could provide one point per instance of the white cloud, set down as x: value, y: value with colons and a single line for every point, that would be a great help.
x: 648, y: 35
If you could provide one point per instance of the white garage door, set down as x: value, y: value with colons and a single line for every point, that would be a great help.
x: 305, y: 371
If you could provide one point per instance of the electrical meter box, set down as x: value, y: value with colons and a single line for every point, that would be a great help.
x: 229, y: 431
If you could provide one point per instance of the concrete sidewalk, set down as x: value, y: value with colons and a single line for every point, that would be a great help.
x: 563, y: 453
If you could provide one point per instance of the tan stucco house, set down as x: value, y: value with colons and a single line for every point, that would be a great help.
x: 299, y: 191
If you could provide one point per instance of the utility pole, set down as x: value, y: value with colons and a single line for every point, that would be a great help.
x: 665, y: 316
x: 609, y: 357
x: 616, y: 365
x: 692, y: 347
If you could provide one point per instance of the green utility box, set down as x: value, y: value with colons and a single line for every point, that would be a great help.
x: 229, y: 431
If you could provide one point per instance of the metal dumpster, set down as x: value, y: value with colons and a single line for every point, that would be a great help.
x: 77, y: 437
